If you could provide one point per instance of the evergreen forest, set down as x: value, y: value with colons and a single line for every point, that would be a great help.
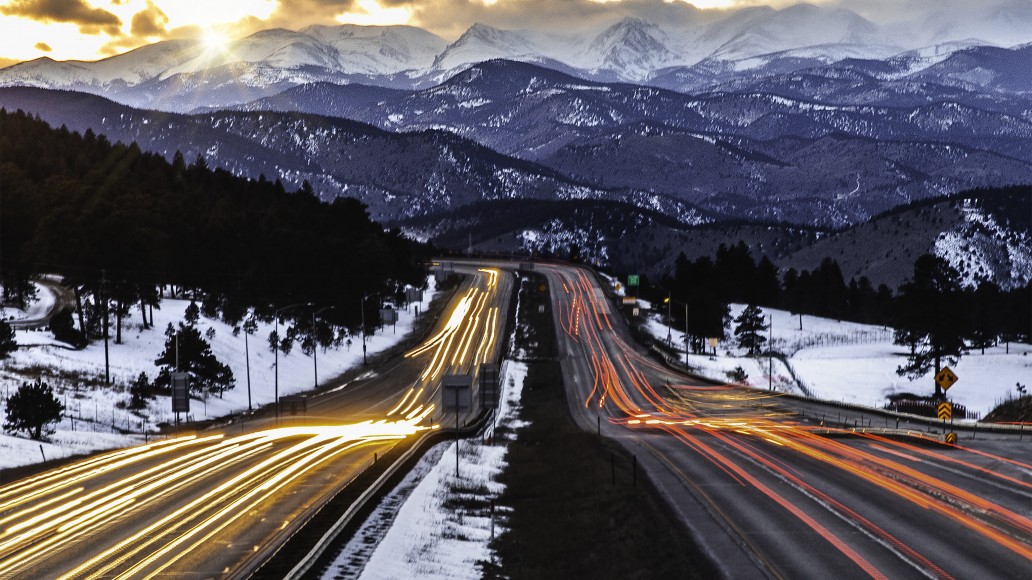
x: 125, y: 228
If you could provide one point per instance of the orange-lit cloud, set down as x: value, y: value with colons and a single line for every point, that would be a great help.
x: 89, y: 19
x: 149, y: 22
x: 90, y: 29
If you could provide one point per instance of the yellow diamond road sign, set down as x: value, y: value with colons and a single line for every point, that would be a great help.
x: 945, y: 410
x: 945, y: 378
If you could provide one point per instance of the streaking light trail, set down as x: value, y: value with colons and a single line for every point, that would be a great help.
x: 741, y: 432
x: 211, y: 483
x: 73, y: 501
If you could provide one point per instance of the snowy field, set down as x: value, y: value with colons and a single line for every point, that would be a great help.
x: 443, y: 527
x: 93, y: 419
x: 45, y: 299
x: 855, y: 363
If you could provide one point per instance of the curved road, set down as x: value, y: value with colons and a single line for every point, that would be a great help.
x: 771, y: 488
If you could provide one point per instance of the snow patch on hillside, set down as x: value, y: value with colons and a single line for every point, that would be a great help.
x: 852, y: 363
x: 559, y: 238
x: 982, y: 249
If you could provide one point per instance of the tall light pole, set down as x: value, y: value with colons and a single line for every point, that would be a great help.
x: 364, y: 296
x: 669, y: 321
x: 275, y: 350
x: 770, y: 355
x: 247, y: 357
x: 686, y: 335
x: 315, y: 345
x: 103, y: 298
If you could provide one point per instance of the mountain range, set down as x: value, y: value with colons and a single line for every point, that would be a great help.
x: 746, y: 151
x: 807, y: 117
x: 693, y: 52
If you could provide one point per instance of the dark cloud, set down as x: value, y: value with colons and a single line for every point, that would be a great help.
x: 90, y: 20
x: 150, y: 21
x: 42, y: 46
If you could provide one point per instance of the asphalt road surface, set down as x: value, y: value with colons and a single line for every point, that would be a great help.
x: 215, y: 504
x: 778, y: 487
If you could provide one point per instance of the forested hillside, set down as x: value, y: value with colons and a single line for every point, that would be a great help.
x: 114, y: 219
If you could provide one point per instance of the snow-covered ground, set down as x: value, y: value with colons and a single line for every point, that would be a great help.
x: 92, y: 414
x: 854, y: 363
x: 443, y: 528
x: 45, y: 299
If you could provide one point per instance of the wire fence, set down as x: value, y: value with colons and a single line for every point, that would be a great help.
x: 791, y: 346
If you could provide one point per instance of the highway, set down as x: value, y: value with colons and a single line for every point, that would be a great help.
x: 218, y: 502
x: 776, y: 487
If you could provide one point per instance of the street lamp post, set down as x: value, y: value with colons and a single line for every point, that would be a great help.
x: 247, y: 358
x: 275, y: 351
x: 770, y: 355
x: 669, y: 320
x: 686, y: 335
x: 103, y: 298
x: 315, y: 346
x: 364, y: 297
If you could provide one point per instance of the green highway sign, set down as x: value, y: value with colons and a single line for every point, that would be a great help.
x: 633, y: 279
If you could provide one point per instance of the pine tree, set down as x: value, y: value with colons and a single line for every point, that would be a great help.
x: 32, y: 408
x: 931, y: 318
x: 139, y: 392
x: 192, y: 314
x: 749, y: 329
x: 7, y: 342
x: 195, y: 358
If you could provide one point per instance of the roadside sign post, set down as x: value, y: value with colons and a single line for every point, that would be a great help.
x: 413, y: 295
x: 180, y: 394
x: 945, y: 379
x: 389, y: 316
x: 945, y: 412
x: 458, y: 398
x: 294, y: 404
x: 489, y: 390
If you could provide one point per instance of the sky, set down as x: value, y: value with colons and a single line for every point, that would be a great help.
x: 94, y: 29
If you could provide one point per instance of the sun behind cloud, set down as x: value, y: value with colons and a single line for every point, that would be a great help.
x: 214, y: 40
x: 371, y: 13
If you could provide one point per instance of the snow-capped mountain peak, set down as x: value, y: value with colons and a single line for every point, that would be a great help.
x: 481, y: 43
x: 632, y: 48
x: 695, y: 51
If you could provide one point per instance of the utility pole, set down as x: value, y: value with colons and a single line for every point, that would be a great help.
x: 364, y: 296
x: 315, y: 343
x: 103, y: 298
x: 247, y: 356
x: 275, y: 364
x: 686, y: 335
x: 315, y: 353
x: 770, y: 355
